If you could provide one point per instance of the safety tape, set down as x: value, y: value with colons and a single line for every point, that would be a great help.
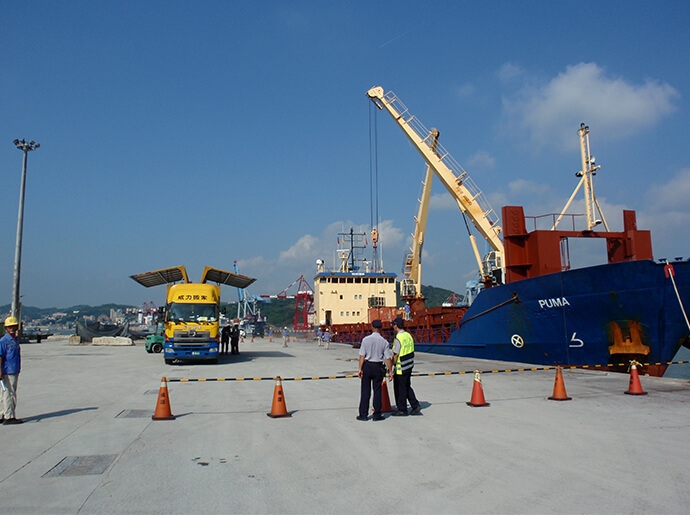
x: 416, y: 374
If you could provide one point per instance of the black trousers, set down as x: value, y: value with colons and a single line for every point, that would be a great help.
x: 372, y: 377
x: 402, y: 388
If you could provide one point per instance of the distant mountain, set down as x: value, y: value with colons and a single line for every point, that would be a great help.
x: 83, y: 310
x: 436, y: 296
x: 279, y: 312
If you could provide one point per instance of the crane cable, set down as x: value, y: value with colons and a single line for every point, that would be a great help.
x: 373, y: 178
x: 467, y: 226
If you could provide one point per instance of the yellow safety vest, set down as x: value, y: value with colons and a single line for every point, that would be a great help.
x: 405, y: 359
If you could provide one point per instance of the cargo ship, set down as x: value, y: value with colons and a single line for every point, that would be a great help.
x: 531, y: 307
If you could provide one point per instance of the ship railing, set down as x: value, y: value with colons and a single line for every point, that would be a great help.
x: 436, y: 334
x: 546, y: 222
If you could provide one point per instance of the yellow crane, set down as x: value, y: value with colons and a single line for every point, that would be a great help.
x: 459, y: 184
x: 411, y: 284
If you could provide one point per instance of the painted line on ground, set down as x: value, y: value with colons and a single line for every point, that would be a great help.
x: 415, y: 374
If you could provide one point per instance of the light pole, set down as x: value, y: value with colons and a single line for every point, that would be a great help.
x: 26, y: 148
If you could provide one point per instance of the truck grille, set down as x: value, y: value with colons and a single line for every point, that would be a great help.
x: 191, y: 338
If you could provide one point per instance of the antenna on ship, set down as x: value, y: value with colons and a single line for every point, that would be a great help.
x: 589, y: 169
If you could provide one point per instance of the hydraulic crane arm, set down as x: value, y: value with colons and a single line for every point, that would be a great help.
x: 459, y: 184
x: 411, y: 285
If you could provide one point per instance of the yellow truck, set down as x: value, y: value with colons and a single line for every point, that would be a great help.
x: 192, y: 311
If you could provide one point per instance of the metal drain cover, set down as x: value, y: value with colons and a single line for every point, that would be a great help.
x: 134, y: 413
x: 81, y: 465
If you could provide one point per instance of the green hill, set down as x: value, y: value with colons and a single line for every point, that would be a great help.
x: 278, y: 312
x: 281, y: 312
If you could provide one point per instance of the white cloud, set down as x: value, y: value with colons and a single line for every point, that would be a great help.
x: 300, y: 257
x: 389, y: 235
x: 481, y: 159
x: 465, y: 90
x: 439, y: 201
x: 303, y: 247
x: 551, y: 112
x: 667, y: 216
x: 510, y: 71
x: 672, y: 196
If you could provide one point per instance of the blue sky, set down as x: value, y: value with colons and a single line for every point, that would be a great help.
x: 200, y: 133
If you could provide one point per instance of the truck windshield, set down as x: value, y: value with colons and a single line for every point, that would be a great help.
x: 177, y: 312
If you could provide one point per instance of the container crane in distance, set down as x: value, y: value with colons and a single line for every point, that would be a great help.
x: 459, y: 184
x: 304, y: 303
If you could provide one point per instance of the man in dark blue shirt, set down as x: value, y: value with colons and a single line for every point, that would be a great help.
x: 10, y: 366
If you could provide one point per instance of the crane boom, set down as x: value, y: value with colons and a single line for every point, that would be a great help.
x: 459, y: 184
x: 411, y: 285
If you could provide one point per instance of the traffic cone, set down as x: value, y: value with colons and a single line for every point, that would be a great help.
x: 385, y: 399
x: 477, y: 400
x: 635, y: 388
x: 278, y: 408
x: 559, y: 388
x: 163, y: 405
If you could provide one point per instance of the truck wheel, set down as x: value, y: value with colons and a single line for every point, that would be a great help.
x: 168, y: 361
x: 156, y: 347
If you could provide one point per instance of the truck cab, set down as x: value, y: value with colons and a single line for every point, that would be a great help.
x: 192, y: 311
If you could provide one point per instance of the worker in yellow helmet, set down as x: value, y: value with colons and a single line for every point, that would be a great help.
x: 10, y: 366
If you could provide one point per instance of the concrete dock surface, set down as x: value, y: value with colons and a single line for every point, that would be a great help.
x: 88, y: 443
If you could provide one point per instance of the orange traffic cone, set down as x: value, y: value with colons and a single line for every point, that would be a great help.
x: 385, y: 399
x: 163, y: 406
x: 477, y: 399
x: 635, y: 388
x: 278, y: 408
x: 559, y: 388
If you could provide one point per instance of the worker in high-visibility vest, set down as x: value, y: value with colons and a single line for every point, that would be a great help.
x: 403, y: 360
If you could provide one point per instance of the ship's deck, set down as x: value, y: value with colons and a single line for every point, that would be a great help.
x: 88, y: 443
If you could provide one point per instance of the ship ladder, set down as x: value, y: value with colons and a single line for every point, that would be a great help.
x: 670, y: 273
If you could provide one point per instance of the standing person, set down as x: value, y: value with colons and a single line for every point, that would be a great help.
x: 403, y: 358
x: 10, y: 366
x: 285, y: 336
x: 372, y: 354
x: 406, y: 310
x: 225, y: 338
x: 327, y: 338
x: 235, y: 340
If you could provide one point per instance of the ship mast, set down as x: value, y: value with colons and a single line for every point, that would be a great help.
x: 589, y: 169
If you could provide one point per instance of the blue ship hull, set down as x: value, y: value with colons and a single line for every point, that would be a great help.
x: 591, y: 316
